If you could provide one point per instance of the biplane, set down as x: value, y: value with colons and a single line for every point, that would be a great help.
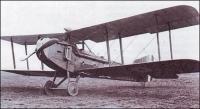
x: 59, y: 51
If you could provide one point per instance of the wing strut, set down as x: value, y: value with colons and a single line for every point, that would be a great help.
x: 121, y: 49
x: 26, y: 54
x: 42, y: 66
x: 107, y: 45
x: 170, y: 41
x: 158, y: 37
x: 83, y: 45
x: 13, y: 54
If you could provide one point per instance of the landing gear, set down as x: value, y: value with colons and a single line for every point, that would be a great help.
x: 47, y: 87
x: 72, y: 87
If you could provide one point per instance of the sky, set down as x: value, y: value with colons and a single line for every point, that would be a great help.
x: 44, y: 17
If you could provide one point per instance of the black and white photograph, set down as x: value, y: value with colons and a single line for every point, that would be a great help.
x: 99, y: 54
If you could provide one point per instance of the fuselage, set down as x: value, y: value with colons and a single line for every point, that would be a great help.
x: 64, y: 56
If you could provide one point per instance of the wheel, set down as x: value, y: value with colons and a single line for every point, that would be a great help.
x: 47, y: 87
x: 72, y: 88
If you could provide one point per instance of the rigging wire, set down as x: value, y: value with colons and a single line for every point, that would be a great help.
x: 88, y: 47
x: 145, y: 47
x: 95, y: 45
x: 110, y: 46
x: 89, y: 36
x: 126, y: 47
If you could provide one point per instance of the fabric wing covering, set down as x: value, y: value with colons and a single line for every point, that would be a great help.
x: 152, y: 22
x: 160, y: 69
x: 176, y: 17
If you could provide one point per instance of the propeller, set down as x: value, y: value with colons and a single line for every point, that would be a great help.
x: 67, y: 29
x: 45, y: 42
x: 28, y: 56
x: 42, y: 44
x: 67, y: 33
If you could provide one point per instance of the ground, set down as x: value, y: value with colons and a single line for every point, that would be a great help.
x: 19, y: 91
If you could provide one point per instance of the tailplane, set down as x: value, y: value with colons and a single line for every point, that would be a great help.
x: 148, y: 58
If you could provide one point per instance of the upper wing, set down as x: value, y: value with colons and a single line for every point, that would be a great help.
x: 32, y: 39
x: 32, y: 72
x: 176, y: 17
x: 161, y: 69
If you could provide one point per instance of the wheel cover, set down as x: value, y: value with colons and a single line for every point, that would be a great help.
x: 72, y: 89
x: 47, y: 89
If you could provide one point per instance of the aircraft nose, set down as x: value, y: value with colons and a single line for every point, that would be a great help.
x: 42, y: 44
x: 45, y: 42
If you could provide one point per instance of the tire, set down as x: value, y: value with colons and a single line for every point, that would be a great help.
x: 72, y: 89
x: 47, y: 87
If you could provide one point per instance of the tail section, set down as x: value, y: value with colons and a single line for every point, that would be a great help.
x: 148, y: 58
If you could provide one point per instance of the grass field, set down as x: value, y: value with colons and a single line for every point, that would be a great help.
x: 19, y: 91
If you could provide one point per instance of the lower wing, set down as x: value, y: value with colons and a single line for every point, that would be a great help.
x: 32, y: 72
x: 161, y: 69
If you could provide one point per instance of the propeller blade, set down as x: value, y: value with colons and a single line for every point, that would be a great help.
x: 28, y: 56
x: 44, y: 43
x: 67, y: 29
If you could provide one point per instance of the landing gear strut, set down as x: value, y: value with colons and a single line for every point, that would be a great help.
x: 72, y: 86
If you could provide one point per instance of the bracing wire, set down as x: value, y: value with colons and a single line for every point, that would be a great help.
x: 145, y: 47
x: 109, y: 47
x: 90, y: 35
x: 126, y: 47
